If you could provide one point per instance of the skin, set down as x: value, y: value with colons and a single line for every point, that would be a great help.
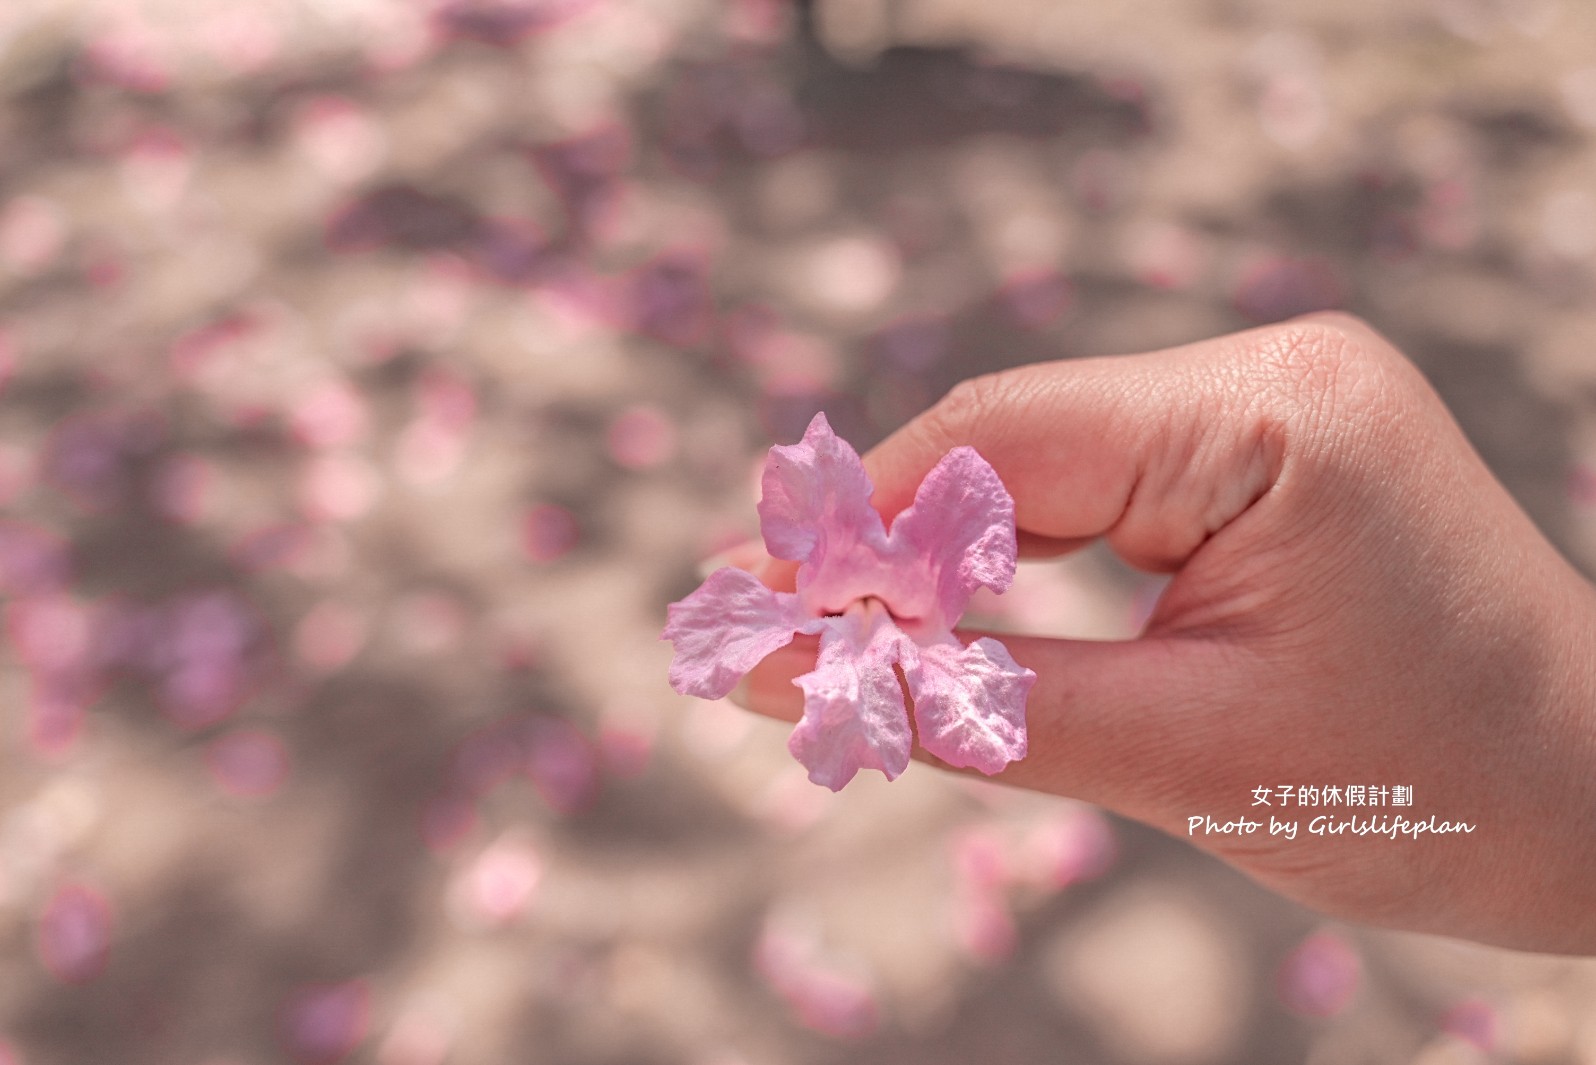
x: 1355, y: 599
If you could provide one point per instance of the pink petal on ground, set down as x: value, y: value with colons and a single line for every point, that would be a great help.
x: 446, y: 820
x: 641, y: 437
x: 423, y: 1034
x: 184, y: 488
x: 489, y: 756
x: 1319, y: 978
x: 249, y: 764
x: 969, y: 703
x: 548, y: 532
x: 338, y: 486
x: 1275, y: 287
x: 446, y: 399
x: 834, y: 1003
x: 626, y: 752
x: 962, y: 524
x: 197, y: 695
x: 74, y: 936
x: 8, y: 365
x: 31, y: 560
x: 32, y: 232
x: 88, y: 457
x: 561, y: 765
x: 670, y: 299
x: 789, y: 804
x: 725, y: 627
x: 431, y: 447
x: 854, y: 717
x: 16, y: 464
x: 984, y: 926
x: 324, y: 1023
x: 57, y: 709
x: 128, y: 57
x: 268, y: 547
x: 331, y: 414
x: 1075, y: 844
x: 430, y: 622
x: 627, y: 734
x: 497, y: 886
x: 156, y: 168
x: 427, y: 453
x: 204, y: 655
x: 1036, y: 299
x: 824, y: 995
x: 52, y: 634
x: 980, y: 860
x: 914, y: 344
x: 502, y: 23
x: 1475, y: 1022
x: 329, y: 636
x: 339, y: 138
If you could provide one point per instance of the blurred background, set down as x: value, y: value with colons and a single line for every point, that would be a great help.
x: 373, y: 372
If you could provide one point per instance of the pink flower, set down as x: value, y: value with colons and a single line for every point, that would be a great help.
x: 883, y: 604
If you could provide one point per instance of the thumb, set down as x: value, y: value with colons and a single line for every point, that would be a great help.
x: 1154, y: 452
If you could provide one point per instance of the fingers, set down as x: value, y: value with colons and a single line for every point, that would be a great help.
x: 1156, y: 452
x: 1115, y: 723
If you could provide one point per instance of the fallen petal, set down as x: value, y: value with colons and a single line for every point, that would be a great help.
x: 74, y: 934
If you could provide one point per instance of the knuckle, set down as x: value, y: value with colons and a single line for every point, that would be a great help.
x: 969, y: 405
x: 969, y: 397
x: 1311, y: 355
x: 1326, y: 368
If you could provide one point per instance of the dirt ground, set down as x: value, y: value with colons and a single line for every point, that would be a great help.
x: 374, y: 372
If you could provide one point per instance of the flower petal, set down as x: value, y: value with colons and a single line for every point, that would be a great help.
x: 815, y: 509
x: 962, y: 525
x: 969, y: 702
x: 811, y: 488
x: 725, y: 627
x: 854, y: 717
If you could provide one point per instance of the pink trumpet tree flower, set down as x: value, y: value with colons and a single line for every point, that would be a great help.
x: 883, y: 603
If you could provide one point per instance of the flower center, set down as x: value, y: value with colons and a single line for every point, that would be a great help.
x: 871, y: 606
x: 871, y: 612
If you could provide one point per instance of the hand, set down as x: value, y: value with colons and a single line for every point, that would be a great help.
x: 1355, y: 600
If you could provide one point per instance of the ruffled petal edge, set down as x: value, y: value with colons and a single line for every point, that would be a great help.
x: 854, y: 715
x: 969, y: 703
x: 815, y: 490
x: 961, y: 527
x: 725, y: 627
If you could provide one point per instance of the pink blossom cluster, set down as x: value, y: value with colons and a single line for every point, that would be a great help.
x: 883, y: 603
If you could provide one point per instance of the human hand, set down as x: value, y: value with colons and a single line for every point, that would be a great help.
x: 1355, y: 599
